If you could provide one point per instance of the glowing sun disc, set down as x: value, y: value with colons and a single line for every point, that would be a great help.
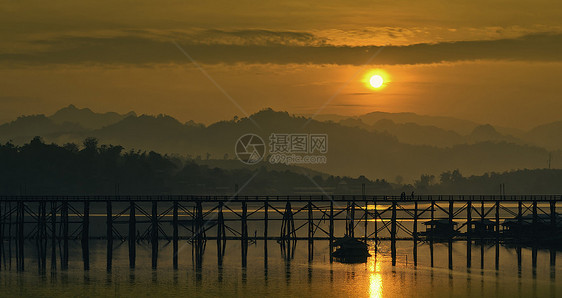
x: 376, y: 81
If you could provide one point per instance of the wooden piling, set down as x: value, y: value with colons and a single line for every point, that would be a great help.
x: 154, y: 234
x: 64, y: 220
x: 553, y: 226
x: 415, y: 233
x: 535, y: 216
x: 431, y: 236
x: 109, y: 235
x: 20, y: 236
x: 366, y: 228
x: 352, y: 219
x: 331, y: 231
x: 199, y: 224
x: 310, y: 233
x: 10, y: 236
x: 53, y: 236
x: 497, y: 263
x: 244, y: 233
x: 43, y: 238
x: 175, y: 235
x: 86, y: 235
x: 220, y: 234
x: 376, y: 222
x: 265, y: 229
x: 132, y: 235
x: 482, y: 216
x: 366, y: 213
x: 450, y: 240
x: 2, y: 252
x: 469, y: 234
x: 393, y: 233
x: 553, y: 215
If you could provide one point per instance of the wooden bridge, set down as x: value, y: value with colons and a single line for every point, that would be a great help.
x: 55, y: 220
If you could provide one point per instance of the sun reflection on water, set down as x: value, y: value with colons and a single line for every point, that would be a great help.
x: 375, y: 278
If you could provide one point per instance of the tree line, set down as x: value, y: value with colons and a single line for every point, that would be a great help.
x: 38, y: 168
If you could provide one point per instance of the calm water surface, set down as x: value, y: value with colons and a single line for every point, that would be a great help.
x: 283, y: 276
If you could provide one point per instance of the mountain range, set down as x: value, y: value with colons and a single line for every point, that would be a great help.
x: 377, y: 145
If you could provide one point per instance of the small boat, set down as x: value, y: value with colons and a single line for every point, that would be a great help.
x: 350, y: 250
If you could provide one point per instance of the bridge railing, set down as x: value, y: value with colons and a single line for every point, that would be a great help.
x: 291, y: 198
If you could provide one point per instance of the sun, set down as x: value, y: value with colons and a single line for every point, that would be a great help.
x: 376, y: 79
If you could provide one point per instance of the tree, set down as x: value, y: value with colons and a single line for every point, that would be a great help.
x: 424, y: 182
x: 91, y: 144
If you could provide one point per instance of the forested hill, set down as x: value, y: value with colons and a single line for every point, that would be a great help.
x: 38, y: 168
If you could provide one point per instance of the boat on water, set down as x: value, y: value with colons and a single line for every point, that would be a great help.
x: 350, y: 250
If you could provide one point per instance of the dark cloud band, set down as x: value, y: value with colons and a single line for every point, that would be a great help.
x: 272, y: 47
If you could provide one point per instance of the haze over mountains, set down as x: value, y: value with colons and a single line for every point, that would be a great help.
x: 377, y: 145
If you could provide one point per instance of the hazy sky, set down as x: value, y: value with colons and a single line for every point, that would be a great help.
x: 495, y: 62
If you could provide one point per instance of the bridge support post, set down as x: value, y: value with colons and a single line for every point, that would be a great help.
x: 154, y: 234
x: 2, y: 214
x: 20, y: 237
x: 553, y: 250
x: 468, y: 234
x: 265, y: 230
x: 366, y: 221
x: 64, y: 220
x: 200, y: 237
x: 366, y: 213
x: 431, y: 235
x: 132, y: 235
x: 220, y: 234
x: 244, y: 233
x: 450, y: 238
x: 352, y: 219
x: 53, y: 236
x: 331, y: 231
x: 86, y: 235
x: 376, y: 224
x: 482, y: 216
x: 415, y: 233
x: 534, y: 250
x: 40, y: 238
x: 310, y: 233
x: 109, y: 235
x: 175, y: 235
x: 497, y: 235
x: 393, y: 234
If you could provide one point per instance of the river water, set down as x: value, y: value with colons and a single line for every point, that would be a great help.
x: 289, y: 276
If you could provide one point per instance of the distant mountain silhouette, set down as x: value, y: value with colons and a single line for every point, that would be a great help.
x: 86, y: 118
x: 459, y: 126
x: 547, y: 135
x: 446, y: 123
x: 383, y: 149
x: 487, y: 133
x: 24, y: 128
x: 411, y: 133
x: 416, y: 134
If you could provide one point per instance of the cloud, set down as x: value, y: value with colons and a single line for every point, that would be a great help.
x: 141, y: 47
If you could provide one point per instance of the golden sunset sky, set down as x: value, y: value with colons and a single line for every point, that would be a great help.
x: 495, y: 62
